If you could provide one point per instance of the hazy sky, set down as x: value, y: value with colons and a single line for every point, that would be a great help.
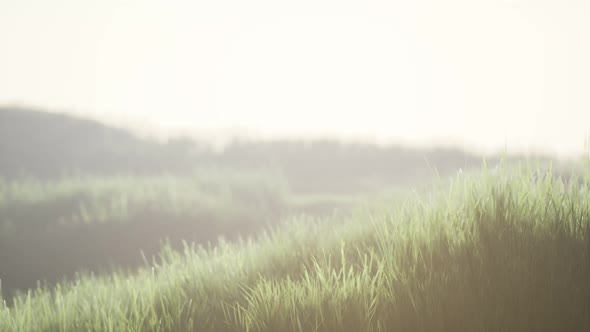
x: 477, y: 73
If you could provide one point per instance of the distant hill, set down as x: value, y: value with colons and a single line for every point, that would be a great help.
x: 47, y: 145
x: 315, y: 165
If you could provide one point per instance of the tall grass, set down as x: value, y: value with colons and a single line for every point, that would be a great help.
x: 51, y: 228
x: 505, y: 251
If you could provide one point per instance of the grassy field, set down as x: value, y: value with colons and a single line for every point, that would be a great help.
x: 105, y: 199
x: 49, y: 229
x: 501, y: 251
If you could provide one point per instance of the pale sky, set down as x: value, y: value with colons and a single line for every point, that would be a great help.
x: 480, y: 74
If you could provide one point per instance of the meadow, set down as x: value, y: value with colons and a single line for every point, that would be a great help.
x: 504, y: 250
x: 51, y: 229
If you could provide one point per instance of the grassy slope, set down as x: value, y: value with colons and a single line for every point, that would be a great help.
x: 110, y: 220
x: 100, y: 199
x: 504, y: 252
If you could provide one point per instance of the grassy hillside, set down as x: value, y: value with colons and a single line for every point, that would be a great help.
x: 504, y: 251
x: 110, y: 199
x: 49, y: 229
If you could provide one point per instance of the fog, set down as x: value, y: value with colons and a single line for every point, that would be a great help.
x: 312, y: 165
x: 481, y: 75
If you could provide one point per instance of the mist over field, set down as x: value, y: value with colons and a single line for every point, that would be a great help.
x: 307, y: 166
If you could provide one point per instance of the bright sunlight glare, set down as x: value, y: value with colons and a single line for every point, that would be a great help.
x: 484, y: 75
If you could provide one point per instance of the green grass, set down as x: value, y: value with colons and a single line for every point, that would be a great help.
x: 99, y: 199
x: 51, y: 229
x: 503, y: 251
